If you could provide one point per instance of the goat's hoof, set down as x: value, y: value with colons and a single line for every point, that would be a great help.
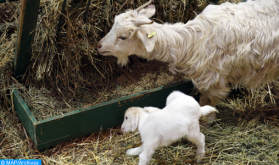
x: 199, y: 157
x: 132, y: 151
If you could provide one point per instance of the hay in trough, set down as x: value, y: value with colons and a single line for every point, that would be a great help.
x: 44, y: 106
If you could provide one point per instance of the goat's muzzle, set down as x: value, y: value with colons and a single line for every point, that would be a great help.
x: 99, y: 47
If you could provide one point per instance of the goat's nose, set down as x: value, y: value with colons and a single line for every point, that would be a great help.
x: 99, y: 45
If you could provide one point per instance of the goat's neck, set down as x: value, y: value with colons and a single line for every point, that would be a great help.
x: 174, y: 41
x: 142, y: 117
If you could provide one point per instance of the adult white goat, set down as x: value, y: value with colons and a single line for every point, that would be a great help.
x: 159, y: 128
x: 225, y: 46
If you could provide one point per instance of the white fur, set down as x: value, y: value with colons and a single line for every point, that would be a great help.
x: 159, y: 128
x: 225, y: 46
x: 150, y: 109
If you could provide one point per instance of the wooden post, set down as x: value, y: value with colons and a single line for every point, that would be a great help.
x: 86, y: 11
x: 61, y: 19
x: 26, y: 30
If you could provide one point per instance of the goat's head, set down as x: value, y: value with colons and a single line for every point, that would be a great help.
x: 131, y: 119
x: 127, y: 35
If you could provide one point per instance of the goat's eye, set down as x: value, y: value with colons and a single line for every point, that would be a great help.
x: 123, y: 38
x: 126, y: 117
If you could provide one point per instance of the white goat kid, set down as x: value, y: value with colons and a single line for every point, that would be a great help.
x: 225, y: 46
x: 159, y: 128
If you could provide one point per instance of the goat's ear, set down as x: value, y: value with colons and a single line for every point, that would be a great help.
x: 142, y: 17
x: 149, y: 42
x: 148, y: 12
x: 142, y: 21
x: 135, y: 123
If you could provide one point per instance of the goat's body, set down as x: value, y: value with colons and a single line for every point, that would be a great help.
x: 224, y: 46
x: 184, y: 119
x: 159, y: 128
x: 166, y: 134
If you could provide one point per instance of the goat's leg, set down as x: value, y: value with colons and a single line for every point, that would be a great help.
x: 207, y: 120
x: 218, y: 90
x: 199, y: 139
x: 135, y: 151
x: 148, y: 151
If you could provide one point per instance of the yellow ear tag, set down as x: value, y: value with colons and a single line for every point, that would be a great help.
x: 151, y: 34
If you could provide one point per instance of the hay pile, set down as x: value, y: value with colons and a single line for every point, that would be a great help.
x: 64, y: 68
x: 256, y: 105
x: 8, y: 32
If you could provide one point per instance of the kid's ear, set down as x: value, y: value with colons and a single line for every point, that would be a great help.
x: 135, y: 123
x: 147, y: 40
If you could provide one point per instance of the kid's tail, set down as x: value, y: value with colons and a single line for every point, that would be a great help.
x: 207, y: 110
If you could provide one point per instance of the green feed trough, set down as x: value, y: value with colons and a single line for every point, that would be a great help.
x: 81, y: 122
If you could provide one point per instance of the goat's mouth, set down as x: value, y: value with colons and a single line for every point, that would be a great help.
x: 104, y: 52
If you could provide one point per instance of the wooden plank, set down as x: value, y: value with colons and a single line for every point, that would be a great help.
x: 27, y: 24
x: 43, y: 146
x: 25, y: 115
